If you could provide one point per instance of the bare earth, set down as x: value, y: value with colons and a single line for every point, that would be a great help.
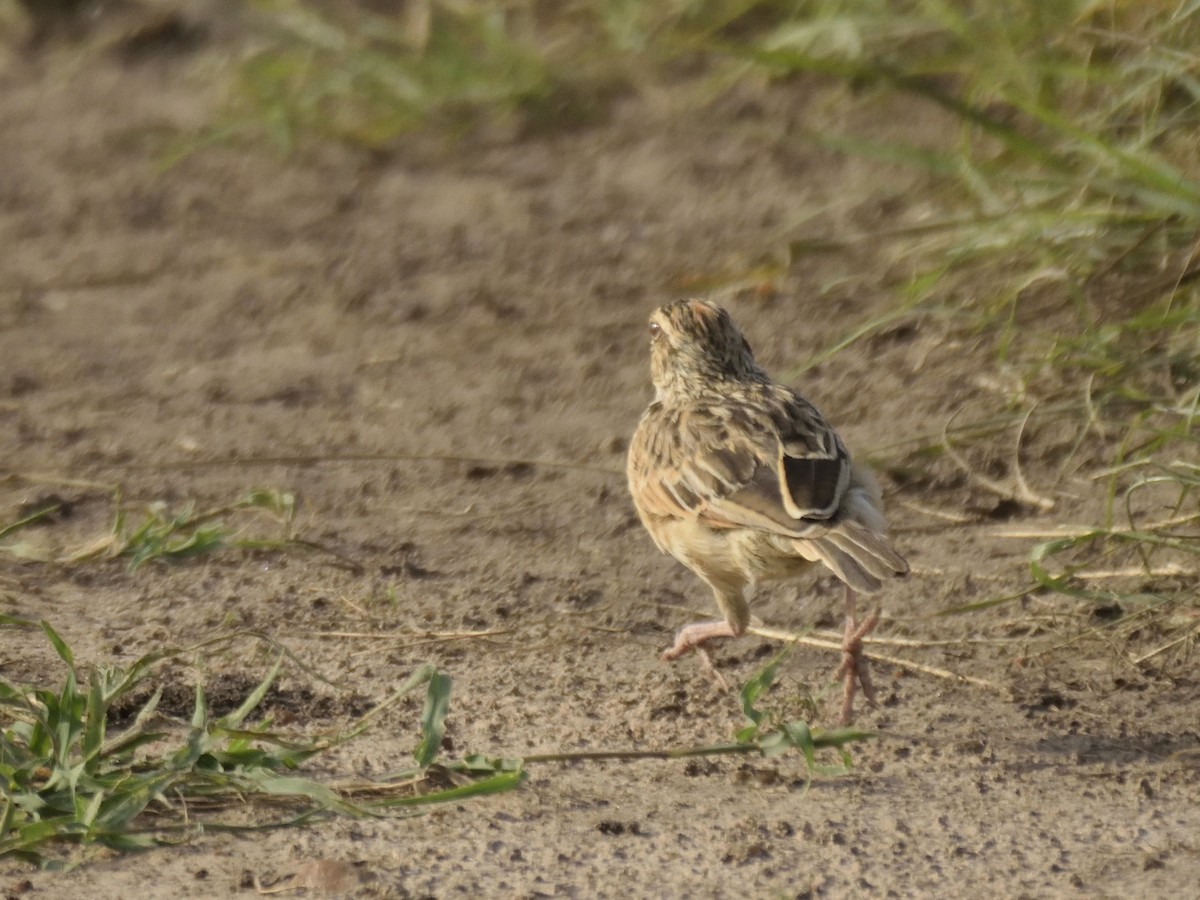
x: 442, y: 353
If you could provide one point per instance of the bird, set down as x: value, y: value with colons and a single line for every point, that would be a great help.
x: 744, y: 482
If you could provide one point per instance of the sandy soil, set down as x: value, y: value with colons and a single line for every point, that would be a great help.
x: 442, y: 352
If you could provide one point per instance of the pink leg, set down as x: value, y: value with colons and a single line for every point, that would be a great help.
x: 853, y: 669
x: 693, y: 637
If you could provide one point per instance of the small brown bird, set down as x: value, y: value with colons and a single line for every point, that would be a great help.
x: 743, y: 481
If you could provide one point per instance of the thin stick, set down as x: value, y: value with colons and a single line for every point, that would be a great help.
x: 400, y: 635
x: 913, y: 642
x: 1175, y: 643
x: 54, y: 478
x: 640, y: 754
x: 1131, y: 572
x: 797, y: 638
x: 954, y: 517
x: 1066, y: 531
x: 1019, y: 493
x: 1018, y: 475
x: 791, y: 637
x: 342, y: 598
x: 835, y: 738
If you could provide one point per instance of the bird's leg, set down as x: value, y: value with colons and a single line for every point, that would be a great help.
x: 694, y: 637
x: 853, y: 670
x: 732, y: 595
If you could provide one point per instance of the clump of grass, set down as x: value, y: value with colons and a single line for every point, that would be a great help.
x: 1139, y: 543
x: 167, y: 534
x: 66, y: 780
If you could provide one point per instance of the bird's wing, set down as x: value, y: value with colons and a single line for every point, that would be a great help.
x: 768, y: 462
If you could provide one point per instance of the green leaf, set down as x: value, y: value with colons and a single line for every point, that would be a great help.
x: 97, y: 712
x: 200, y: 711
x: 433, y: 719
x: 93, y: 808
x: 290, y: 786
x: 6, y: 530
x: 17, y: 622
x: 498, y: 783
x: 59, y: 645
x: 752, y: 690
x: 255, y: 697
x: 478, y: 764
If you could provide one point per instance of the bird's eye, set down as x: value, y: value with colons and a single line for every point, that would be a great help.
x: 655, y: 331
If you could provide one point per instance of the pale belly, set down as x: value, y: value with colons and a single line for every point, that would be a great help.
x: 733, y: 557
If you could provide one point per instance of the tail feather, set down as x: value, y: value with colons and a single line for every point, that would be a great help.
x: 858, y: 556
x: 870, y: 548
x: 845, y: 566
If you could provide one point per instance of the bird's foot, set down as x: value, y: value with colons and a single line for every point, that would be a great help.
x: 854, y: 669
x: 693, y: 638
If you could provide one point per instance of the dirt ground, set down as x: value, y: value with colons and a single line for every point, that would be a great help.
x: 442, y: 353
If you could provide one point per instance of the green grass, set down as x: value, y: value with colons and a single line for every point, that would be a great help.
x: 72, y: 781
x: 67, y: 780
x: 160, y: 532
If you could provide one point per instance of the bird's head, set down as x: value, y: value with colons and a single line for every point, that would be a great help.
x: 695, y: 346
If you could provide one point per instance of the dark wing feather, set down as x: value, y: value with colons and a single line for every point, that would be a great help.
x: 814, y: 483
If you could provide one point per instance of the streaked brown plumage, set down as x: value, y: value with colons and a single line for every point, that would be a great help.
x: 743, y: 481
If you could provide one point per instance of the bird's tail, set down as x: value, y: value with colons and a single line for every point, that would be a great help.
x: 860, y: 557
x: 855, y: 547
